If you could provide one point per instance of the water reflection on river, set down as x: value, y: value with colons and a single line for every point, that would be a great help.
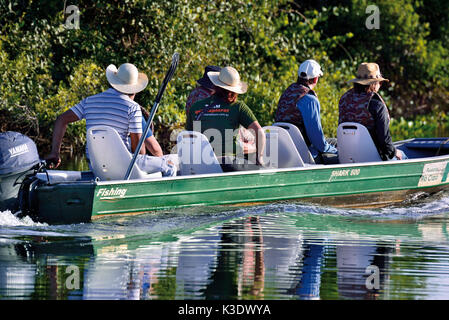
x: 277, y: 251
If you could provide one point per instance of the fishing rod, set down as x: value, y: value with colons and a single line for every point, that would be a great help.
x: 168, y: 77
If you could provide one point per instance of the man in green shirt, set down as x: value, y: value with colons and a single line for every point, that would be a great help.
x: 219, y: 116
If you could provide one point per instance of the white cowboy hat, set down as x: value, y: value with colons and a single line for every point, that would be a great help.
x: 228, y: 78
x: 126, y: 78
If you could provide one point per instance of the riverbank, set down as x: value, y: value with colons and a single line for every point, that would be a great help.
x: 48, y: 64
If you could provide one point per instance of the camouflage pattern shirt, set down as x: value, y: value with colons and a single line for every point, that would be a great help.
x: 288, y: 111
x: 353, y: 107
x: 199, y: 93
x: 369, y: 109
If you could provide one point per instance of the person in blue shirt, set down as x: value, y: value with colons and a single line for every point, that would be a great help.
x: 321, y: 148
x: 309, y: 120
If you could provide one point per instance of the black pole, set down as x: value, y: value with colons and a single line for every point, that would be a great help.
x: 168, y: 77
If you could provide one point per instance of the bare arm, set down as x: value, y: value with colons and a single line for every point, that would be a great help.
x: 153, y: 146
x: 260, y: 140
x: 58, y: 133
x: 135, y: 137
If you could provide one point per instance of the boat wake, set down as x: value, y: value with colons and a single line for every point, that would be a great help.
x: 177, y: 220
x: 8, y: 219
x: 417, y: 207
x: 425, y: 206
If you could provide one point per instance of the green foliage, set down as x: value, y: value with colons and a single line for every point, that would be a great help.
x: 46, y: 68
x: 410, y: 46
x: 433, y: 125
x: 87, y: 79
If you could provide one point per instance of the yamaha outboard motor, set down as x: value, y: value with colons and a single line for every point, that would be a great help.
x: 18, y: 158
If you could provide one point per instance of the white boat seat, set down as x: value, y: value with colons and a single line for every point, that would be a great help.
x: 298, y: 140
x: 280, y: 151
x: 355, y: 144
x: 109, y: 157
x: 195, y: 154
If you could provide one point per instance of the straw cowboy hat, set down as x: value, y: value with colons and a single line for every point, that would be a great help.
x: 228, y: 78
x: 368, y: 73
x: 205, y: 81
x: 126, y: 79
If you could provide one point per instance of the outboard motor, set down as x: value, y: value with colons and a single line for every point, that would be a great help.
x: 18, y: 158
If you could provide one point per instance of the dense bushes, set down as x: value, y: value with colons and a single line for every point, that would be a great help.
x: 46, y: 68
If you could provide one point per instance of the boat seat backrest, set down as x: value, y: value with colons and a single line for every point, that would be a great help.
x: 298, y: 140
x: 196, y: 155
x: 109, y: 157
x: 355, y: 144
x: 280, y: 151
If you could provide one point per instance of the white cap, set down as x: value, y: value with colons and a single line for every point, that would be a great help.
x: 310, y: 68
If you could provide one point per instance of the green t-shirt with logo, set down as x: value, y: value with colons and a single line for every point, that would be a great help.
x: 219, y: 121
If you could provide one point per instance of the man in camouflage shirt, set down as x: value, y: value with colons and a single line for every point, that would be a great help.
x: 299, y: 105
x: 204, y: 89
x: 363, y: 104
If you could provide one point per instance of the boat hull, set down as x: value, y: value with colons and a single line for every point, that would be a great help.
x: 355, y: 185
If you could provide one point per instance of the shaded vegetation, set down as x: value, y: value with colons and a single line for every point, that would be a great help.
x: 46, y: 68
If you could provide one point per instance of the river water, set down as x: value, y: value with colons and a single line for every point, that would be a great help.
x: 286, y: 251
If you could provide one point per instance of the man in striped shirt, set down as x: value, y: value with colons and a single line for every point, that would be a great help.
x: 114, y: 108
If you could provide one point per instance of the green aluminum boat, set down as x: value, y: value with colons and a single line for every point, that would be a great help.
x: 72, y: 197
x: 117, y: 186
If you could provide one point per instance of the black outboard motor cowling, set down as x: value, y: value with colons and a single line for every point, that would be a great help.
x: 18, y: 158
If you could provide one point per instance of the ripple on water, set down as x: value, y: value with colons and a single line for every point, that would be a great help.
x: 8, y: 219
x: 274, y: 250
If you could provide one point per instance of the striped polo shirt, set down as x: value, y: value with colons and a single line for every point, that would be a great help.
x: 111, y: 108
